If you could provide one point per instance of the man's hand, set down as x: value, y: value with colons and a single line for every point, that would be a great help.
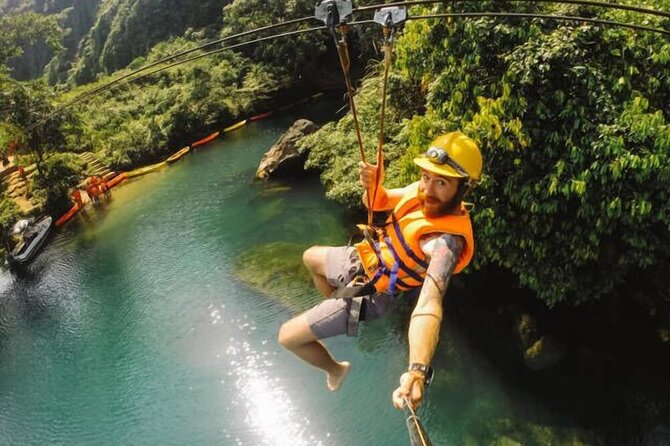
x: 411, y: 388
x: 367, y: 173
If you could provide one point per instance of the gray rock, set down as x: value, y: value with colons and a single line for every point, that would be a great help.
x: 283, y: 159
x: 540, y: 351
x: 527, y: 330
x: 544, y: 353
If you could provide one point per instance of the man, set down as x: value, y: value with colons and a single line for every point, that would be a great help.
x: 427, y: 238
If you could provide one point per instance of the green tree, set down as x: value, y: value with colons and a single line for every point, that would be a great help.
x: 57, y: 176
x: 25, y: 29
x: 29, y: 112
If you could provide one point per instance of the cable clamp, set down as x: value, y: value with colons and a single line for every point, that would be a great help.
x: 333, y: 12
x: 391, y: 16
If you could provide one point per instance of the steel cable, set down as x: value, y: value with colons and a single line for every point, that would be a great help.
x: 117, y: 81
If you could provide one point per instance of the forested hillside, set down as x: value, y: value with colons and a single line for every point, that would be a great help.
x: 102, y: 37
x: 74, y: 18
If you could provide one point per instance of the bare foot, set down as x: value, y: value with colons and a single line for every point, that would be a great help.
x: 335, y: 380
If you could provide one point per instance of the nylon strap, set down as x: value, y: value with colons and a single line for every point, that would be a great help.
x: 355, y: 305
x: 396, y: 227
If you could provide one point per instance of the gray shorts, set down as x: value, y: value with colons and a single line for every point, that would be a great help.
x: 330, y: 317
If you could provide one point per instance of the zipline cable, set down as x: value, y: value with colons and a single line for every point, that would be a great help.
x: 108, y: 85
x: 605, y: 5
x: 539, y: 16
x: 361, y: 22
x: 368, y: 8
x: 230, y: 47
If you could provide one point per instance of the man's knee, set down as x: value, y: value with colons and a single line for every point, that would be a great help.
x: 294, y: 333
x: 314, y: 259
x: 309, y: 257
x: 284, y: 336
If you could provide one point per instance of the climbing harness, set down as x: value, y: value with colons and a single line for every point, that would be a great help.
x: 415, y: 429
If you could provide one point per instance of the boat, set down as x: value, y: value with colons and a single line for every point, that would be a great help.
x: 175, y: 156
x: 120, y: 178
x: 235, y: 126
x: 145, y: 170
x: 26, y: 239
x: 68, y: 215
x: 203, y: 141
x: 261, y: 116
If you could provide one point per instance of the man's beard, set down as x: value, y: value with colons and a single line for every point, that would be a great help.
x: 432, y: 207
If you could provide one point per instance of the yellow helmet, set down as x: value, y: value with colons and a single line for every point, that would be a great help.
x: 453, y: 155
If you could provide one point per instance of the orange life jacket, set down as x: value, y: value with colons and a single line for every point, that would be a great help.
x: 395, y: 261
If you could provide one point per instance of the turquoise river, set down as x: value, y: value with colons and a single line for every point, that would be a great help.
x: 135, y: 326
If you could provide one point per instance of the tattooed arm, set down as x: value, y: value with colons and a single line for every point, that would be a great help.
x: 424, y: 327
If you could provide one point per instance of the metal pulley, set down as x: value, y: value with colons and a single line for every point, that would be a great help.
x: 391, y: 16
x: 333, y: 12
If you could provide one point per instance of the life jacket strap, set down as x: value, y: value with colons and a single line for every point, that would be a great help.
x: 349, y: 292
x: 396, y: 226
x: 398, y: 264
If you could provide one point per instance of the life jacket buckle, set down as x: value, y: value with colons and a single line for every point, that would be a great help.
x: 360, y: 280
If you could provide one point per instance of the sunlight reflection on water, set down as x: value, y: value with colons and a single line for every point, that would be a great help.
x: 268, y: 410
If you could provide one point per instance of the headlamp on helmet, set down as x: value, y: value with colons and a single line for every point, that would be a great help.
x: 453, y: 155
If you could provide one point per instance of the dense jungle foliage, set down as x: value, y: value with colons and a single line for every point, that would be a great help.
x: 572, y: 120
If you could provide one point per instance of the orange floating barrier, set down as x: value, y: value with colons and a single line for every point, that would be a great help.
x: 203, y: 141
x: 120, y: 178
x: 261, y: 116
x: 68, y: 215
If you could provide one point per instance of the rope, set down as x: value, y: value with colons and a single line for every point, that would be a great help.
x: 345, y: 63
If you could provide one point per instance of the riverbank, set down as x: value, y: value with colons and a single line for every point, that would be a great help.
x: 138, y: 169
